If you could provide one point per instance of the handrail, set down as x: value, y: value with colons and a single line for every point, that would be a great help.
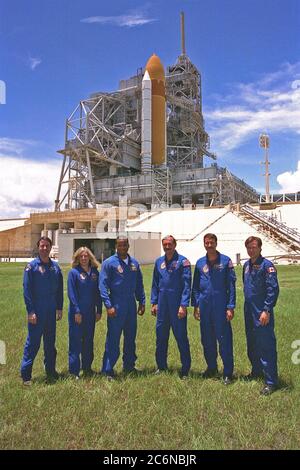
x: 290, y: 233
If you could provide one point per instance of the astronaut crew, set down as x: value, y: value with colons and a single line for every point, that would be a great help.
x: 120, y: 285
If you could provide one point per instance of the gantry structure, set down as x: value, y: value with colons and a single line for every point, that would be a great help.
x: 102, y: 151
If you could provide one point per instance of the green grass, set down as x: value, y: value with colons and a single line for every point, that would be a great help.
x: 148, y: 412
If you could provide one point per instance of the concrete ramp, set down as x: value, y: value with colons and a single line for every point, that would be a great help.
x: 189, y: 227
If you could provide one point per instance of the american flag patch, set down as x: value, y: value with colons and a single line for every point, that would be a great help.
x: 186, y: 263
x: 271, y: 269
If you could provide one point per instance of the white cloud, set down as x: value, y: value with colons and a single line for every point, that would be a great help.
x: 290, y: 181
x: 15, y: 147
x: 271, y: 104
x: 33, y: 62
x: 130, y: 20
x: 25, y: 184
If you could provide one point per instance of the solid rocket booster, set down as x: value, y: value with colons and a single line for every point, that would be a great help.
x: 154, y: 116
x: 146, y: 122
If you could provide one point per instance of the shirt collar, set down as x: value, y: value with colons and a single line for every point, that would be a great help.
x: 258, y: 260
x: 174, y: 257
x: 217, y: 260
x: 122, y: 261
x: 50, y: 262
x: 80, y: 268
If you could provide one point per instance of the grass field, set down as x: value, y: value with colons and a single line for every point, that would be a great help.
x: 148, y: 412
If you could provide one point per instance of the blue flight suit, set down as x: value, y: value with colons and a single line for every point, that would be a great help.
x: 121, y: 285
x: 261, y: 292
x: 213, y: 292
x: 43, y: 295
x: 171, y: 288
x: 84, y: 296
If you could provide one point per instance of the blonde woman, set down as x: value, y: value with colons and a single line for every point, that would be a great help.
x: 84, y: 310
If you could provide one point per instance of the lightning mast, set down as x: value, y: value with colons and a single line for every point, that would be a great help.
x: 264, y: 142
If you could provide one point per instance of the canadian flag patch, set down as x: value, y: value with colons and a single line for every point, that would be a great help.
x: 271, y: 269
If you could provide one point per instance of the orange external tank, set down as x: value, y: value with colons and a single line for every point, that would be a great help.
x: 157, y: 75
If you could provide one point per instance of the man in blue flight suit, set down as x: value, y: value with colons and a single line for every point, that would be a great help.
x: 121, y: 284
x: 170, y: 297
x: 261, y: 292
x: 43, y: 295
x: 213, y: 299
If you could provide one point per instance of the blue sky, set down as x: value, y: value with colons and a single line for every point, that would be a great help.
x: 55, y: 52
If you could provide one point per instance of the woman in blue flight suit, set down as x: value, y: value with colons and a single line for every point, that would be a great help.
x: 84, y: 310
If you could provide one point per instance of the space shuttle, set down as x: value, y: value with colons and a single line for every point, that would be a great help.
x: 153, y: 139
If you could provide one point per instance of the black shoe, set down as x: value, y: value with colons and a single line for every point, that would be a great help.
x: 160, y: 371
x: 268, y: 390
x: 132, y: 371
x: 227, y: 380
x: 252, y: 376
x: 27, y: 383
x: 88, y: 373
x: 53, y: 376
x: 184, y: 375
x: 110, y: 376
x: 75, y: 377
x: 209, y: 373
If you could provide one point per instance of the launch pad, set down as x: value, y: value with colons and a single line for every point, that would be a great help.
x: 113, y: 145
x: 133, y: 153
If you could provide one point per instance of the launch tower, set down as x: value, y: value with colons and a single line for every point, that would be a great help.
x: 146, y: 141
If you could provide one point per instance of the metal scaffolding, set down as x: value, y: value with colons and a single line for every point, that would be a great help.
x: 100, y: 138
x: 187, y: 139
x: 229, y: 189
x: 102, y: 148
x: 161, y: 187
